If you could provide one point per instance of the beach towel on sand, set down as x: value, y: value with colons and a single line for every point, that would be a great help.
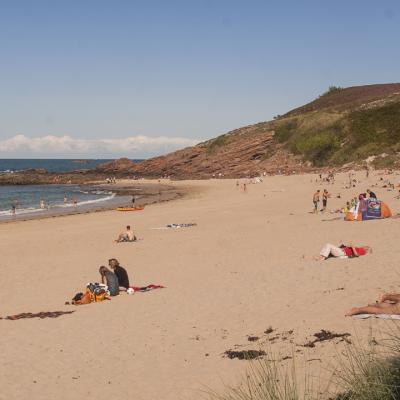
x: 146, y: 288
x: 177, y: 226
x: 381, y: 316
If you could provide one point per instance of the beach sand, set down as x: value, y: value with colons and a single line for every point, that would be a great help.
x: 237, y: 273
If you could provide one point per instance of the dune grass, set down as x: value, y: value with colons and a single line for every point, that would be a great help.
x: 361, y: 373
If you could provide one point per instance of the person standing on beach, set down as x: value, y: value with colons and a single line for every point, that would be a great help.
x: 316, y: 201
x: 372, y: 195
x: 325, y: 196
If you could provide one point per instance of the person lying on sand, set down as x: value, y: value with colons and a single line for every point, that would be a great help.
x: 350, y: 251
x: 93, y: 293
x: 389, y: 303
x: 110, y: 279
x: 120, y: 272
x: 126, y: 236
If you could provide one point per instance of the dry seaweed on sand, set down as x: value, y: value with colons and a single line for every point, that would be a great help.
x: 325, y: 335
x: 41, y: 315
x: 245, y: 354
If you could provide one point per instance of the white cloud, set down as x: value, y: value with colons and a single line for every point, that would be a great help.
x: 134, y: 146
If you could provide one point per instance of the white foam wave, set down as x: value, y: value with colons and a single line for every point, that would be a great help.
x: 86, y: 202
x: 32, y: 210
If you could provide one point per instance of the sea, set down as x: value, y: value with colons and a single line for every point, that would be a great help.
x: 31, y: 200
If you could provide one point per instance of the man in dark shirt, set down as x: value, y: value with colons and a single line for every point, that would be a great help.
x: 110, y: 279
x: 120, y: 272
x: 372, y: 195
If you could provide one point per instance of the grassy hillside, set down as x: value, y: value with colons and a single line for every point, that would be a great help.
x: 335, y: 136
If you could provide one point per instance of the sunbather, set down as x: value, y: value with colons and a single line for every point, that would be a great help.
x: 350, y: 251
x: 389, y: 303
x: 120, y: 272
x: 110, y: 279
x: 126, y: 236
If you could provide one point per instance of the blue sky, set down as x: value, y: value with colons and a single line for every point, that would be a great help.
x: 77, y: 75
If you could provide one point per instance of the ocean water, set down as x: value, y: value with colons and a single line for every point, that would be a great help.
x: 27, y: 198
x: 52, y: 165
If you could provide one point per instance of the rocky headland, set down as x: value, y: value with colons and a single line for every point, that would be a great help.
x: 343, y: 128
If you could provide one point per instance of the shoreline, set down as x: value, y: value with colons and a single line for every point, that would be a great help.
x: 146, y: 193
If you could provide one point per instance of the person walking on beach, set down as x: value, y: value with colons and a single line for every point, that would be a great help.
x: 325, y: 196
x: 316, y: 201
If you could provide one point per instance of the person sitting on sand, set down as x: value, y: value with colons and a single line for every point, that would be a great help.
x: 120, y: 272
x: 389, y: 303
x: 110, y: 279
x: 329, y: 250
x: 126, y: 236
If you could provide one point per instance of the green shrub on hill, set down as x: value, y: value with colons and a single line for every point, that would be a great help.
x: 378, y: 125
x: 317, y: 148
x: 335, y: 139
x: 217, y: 143
x: 285, y: 131
x: 332, y: 89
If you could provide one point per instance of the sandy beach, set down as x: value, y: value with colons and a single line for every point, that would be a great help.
x: 238, y: 272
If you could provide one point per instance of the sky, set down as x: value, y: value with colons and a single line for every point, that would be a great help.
x: 105, y: 79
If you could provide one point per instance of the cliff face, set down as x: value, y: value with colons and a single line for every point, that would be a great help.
x: 245, y: 153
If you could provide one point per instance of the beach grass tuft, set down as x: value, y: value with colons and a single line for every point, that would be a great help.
x: 269, y: 379
x: 369, y: 372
